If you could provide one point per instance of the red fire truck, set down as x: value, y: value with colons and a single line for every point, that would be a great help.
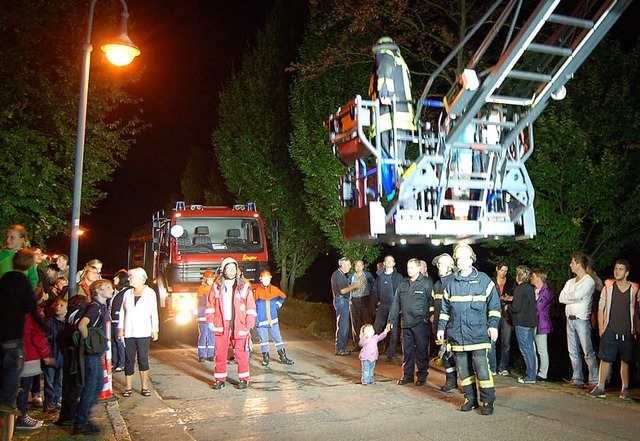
x: 177, y: 249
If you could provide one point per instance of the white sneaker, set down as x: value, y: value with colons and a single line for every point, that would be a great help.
x: 27, y: 423
x: 504, y: 373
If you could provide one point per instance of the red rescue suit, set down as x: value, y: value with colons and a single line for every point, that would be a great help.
x: 236, y: 331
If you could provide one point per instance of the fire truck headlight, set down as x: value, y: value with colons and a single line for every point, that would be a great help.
x: 183, y: 317
x: 186, y: 304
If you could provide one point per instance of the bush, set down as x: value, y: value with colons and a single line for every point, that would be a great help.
x: 317, y: 319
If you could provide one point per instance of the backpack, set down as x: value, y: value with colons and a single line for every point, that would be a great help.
x: 96, y: 341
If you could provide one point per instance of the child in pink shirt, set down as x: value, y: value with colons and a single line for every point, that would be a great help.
x: 369, y: 353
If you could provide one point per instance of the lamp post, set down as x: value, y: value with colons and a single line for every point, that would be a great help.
x: 120, y: 52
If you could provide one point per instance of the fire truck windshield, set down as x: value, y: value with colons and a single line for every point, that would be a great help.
x: 224, y: 235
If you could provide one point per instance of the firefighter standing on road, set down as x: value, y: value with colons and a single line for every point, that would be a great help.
x: 268, y: 300
x: 444, y: 263
x: 205, y: 336
x: 232, y: 316
x: 471, y: 314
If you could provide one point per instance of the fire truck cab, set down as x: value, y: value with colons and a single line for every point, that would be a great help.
x: 193, y: 239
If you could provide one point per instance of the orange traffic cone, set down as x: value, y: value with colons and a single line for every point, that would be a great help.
x: 106, y: 394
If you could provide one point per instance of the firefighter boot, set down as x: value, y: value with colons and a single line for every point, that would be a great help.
x: 450, y: 384
x: 283, y: 357
x: 265, y: 358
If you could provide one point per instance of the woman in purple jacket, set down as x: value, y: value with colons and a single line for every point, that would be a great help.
x: 544, y: 297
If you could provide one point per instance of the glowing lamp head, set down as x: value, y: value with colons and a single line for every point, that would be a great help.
x: 122, y: 51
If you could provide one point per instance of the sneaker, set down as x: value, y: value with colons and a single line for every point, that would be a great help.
x: 25, y: 422
x: 36, y: 401
x: 201, y: 359
x: 468, y: 405
x: 539, y: 378
x: 523, y: 380
x: 210, y: 358
x: 50, y: 408
x: 504, y: 373
x: 596, y: 393
x: 625, y: 394
x: 494, y: 373
x: 487, y: 409
x: 343, y: 353
x: 571, y: 383
x: 118, y: 369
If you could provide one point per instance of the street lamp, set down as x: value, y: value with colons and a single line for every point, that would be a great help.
x: 120, y: 52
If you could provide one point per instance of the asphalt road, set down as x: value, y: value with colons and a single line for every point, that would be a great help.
x: 320, y: 398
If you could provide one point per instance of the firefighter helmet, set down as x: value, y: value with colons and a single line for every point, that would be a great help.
x: 227, y: 261
x: 384, y: 40
x: 265, y: 273
x: 464, y: 248
x: 208, y: 274
x: 444, y: 256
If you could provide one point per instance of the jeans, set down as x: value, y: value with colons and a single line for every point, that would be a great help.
x: 205, y: 340
x: 505, y: 343
x: 492, y: 356
x: 117, y: 348
x: 263, y: 334
x: 415, y: 351
x: 382, y: 315
x: 23, y: 394
x: 543, y: 354
x: 11, y: 362
x: 579, y: 337
x: 93, y: 383
x: 52, y: 384
x: 525, y: 338
x: 367, y: 371
x: 341, y: 305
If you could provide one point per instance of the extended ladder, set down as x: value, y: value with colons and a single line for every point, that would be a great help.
x: 469, y: 181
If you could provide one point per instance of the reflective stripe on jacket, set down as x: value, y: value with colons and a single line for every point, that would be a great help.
x: 470, y: 306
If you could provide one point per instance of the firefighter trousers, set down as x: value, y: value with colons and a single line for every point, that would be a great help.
x: 474, y: 366
x: 239, y: 350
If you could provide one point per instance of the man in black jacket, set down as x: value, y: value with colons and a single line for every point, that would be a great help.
x: 413, y: 300
x: 384, y: 290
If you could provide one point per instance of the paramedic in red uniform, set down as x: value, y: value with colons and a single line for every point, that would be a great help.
x: 233, y: 316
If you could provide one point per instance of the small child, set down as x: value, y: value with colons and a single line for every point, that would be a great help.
x: 369, y: 353
x: 53, y: 374
x: 205, y: 335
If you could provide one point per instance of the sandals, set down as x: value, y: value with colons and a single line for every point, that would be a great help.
x: 127, y: 392
x: 145, y: 393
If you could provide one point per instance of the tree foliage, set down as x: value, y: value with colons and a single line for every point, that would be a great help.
x: 584, y: 168
x: 40, y: 72
x: 251, y: 140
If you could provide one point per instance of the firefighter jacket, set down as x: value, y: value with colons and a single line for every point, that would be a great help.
x: 438, y: 292
x: 203, y: 299
x: 244, y: 308
x: 413, y: 299
x: 470, y: 306
x: 604, y: 306
x: 268, y: 300
x: 391, y: 77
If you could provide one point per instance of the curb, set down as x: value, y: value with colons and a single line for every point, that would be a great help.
x: 120, y: 430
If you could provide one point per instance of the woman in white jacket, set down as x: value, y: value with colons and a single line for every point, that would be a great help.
x: 138, y: 326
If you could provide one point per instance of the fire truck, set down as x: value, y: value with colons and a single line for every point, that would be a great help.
x: 468, y: 181
x: 177, y: 249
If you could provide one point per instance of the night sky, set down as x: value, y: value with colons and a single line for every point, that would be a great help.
x: 189, y: 48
